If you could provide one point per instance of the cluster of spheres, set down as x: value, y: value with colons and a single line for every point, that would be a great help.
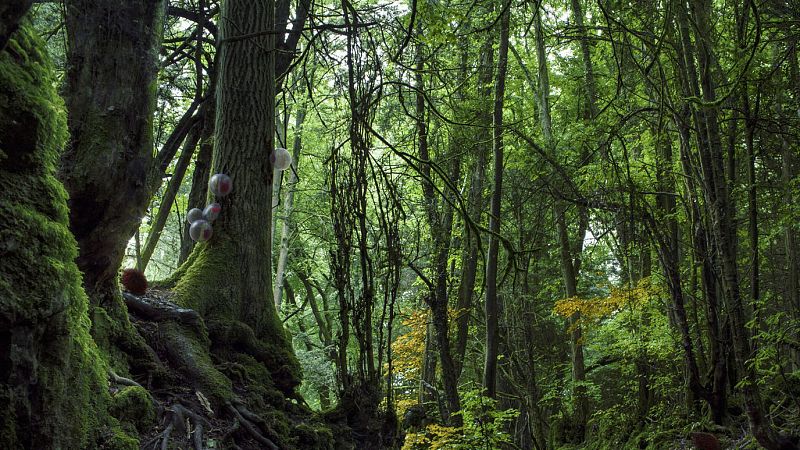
x: 220, y: 185
x: 201, y: 230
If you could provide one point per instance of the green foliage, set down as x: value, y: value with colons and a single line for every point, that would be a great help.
x: 484, y: 427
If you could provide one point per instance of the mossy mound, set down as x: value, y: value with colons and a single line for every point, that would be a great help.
x: 53, y: 390
x: 132, y: 405
x: 203, y: 283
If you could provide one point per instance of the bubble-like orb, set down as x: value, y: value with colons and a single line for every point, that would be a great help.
x: 281, y: 159
x: 212, y: 212
x: 200, y: 231
x: 194, y: 215
x: 220, y: 185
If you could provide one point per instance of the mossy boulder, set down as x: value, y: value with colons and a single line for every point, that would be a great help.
x: 133, y: 405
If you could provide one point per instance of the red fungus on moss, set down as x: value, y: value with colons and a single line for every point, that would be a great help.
x: 134, y: 281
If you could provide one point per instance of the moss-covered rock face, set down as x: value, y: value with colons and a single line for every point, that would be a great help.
x: 53, y: 388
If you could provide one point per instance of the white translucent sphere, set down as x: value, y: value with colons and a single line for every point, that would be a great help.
x: 281, y: 159
x: 194, y: 215
x: 220, y: 185
x: 212, y: 212
x: 200, y: 231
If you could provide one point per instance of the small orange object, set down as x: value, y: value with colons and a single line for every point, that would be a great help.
x: 134, y: 281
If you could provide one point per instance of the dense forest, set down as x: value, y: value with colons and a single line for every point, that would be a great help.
x: 443, y: 224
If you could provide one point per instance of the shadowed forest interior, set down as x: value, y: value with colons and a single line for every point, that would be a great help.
x: 367, y: 224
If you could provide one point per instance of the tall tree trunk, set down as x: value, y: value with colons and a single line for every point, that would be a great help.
x: 492, y: 301
x: 440, y: 221
x: 472, y: 240
x: 788, y: 173
x: 718, y: 199
x: 168, y: 199
x: 569, y: 261
x: 229, y: 279
x: 109, y: 168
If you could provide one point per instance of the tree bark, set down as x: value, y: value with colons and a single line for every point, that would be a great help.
x: 492, y: 301
x: 228, y: 279
x: 109, y: 169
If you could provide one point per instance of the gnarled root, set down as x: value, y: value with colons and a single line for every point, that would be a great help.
x: 250, y: 427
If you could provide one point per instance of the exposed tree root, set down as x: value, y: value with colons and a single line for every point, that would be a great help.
x: 251, y: 428
x: 219, y: 389
x: 159, y: 310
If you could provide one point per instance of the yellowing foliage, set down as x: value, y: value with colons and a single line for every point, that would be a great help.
x: 408, y: 349
x: 434, y: 437
x: 594, y: 309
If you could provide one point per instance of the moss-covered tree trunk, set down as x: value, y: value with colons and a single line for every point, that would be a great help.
x: 228, y: 280
x: 109, y: 167
x: 53, y: 390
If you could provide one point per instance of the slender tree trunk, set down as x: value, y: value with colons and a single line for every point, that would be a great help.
x: 588, y: 66
x: 544, y: 81
x: 169, y: 196
x: 723, y: 229
x: 288, y: 202
x: 569, y: 262
x: 788, y: 173
x: 570, y: 276
x: 471, y: 251
x: 427, y: 379
x: 200, y: 176
x: 440, y: 221
x: 492, y: 301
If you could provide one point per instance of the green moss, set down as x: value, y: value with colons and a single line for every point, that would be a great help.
x: 53, y: 388
x: 117, y: 439
x: 205, y: 284
x: 190, y: 352
x: 208, y: 285
x: 105, y: 332
x: 314, y: 436
x: 133, y: 405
